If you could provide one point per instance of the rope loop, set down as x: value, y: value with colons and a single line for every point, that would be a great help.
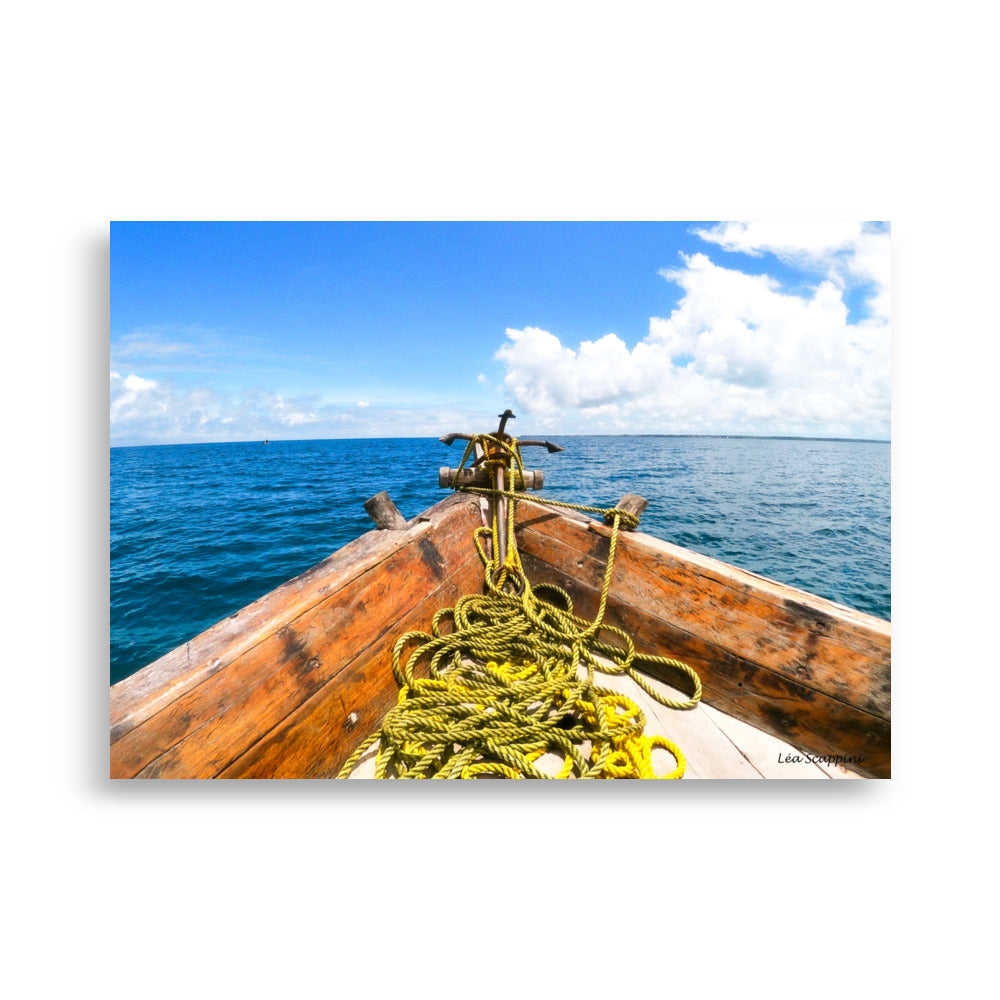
x: 625, y: 518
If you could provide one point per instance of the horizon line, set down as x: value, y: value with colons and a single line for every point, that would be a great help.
x: 430, y: 437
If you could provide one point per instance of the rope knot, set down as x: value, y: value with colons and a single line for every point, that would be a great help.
x: 627, y: 519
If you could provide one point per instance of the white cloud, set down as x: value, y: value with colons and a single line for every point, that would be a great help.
x: 147, y: 410
x: 287, y: 415
x: 144, y: 411
x: 846, y: 252
x: 789, y: 240
x: 133, y: 397
x: 738, y: 355
x: 148, y: 345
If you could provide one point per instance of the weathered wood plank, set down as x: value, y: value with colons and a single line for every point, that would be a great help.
x: 836, y: 771
x: 240, y: 703
x: 707, y: 753
x: 384, y: 513
x: 771, y: 757
x: 530, y: 479
x: 264, y: 742
x: 140, y: 696
x: 316, y: 739
x: 795, y: 714
x: 830, y: 648
x: 634, y: 504
x: 673, y: 610
x: 366, y: 763
x: 257, y: 687
x: 143, y: 694
x: 708, y: 739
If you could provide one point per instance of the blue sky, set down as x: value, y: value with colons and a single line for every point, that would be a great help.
x: 239, y: 331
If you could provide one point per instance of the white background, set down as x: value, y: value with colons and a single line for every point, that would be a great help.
x: 515, y: 111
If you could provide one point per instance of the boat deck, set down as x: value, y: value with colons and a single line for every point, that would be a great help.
x: 715, y: 745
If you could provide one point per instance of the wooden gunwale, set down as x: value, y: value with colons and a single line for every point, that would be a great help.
x: 808, y: 671
x: 194, y: 717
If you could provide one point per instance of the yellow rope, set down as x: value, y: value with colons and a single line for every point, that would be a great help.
x: 511, y: 678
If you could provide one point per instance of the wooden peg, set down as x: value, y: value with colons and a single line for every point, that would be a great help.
x: 385, y: 513
x: 634, y: 504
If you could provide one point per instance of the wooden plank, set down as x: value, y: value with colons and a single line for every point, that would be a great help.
x: 312, y: 742
x: 825, y: 646
x: 215, y: 722
x: 385, y: 513
x: 761, y: 697
x: 530, y: 479
x: 836, y: 771
x: 325, y: 724
x: 143, y: 694
x: 366, y: 763
x: 146, y: 692
x: 773, y: 758
x: 767, y: 697
x: 717, y: 735
x: 211, y: 747
x: 634, y: 504
x: 209, y: 725
x: 707, y: 753
x: 205, y: 729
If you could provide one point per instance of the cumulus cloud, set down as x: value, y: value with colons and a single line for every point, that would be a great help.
x: 846, y: 252
x: 738, y: 355
x: 134, y: 398
x: 150, y: 410
x: 792, y: 240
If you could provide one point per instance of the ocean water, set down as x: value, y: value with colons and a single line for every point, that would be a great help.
x: 200, y: 531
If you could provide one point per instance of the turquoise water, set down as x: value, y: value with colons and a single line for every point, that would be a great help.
x: 200, y: 531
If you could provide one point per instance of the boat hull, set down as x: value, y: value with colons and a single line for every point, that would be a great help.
x: 811, y: 672
x: 289, y: 686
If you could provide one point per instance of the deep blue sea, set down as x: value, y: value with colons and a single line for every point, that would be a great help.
x: 199, y: 531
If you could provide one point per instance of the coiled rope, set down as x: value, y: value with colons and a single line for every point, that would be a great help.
x: 511, y: 675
